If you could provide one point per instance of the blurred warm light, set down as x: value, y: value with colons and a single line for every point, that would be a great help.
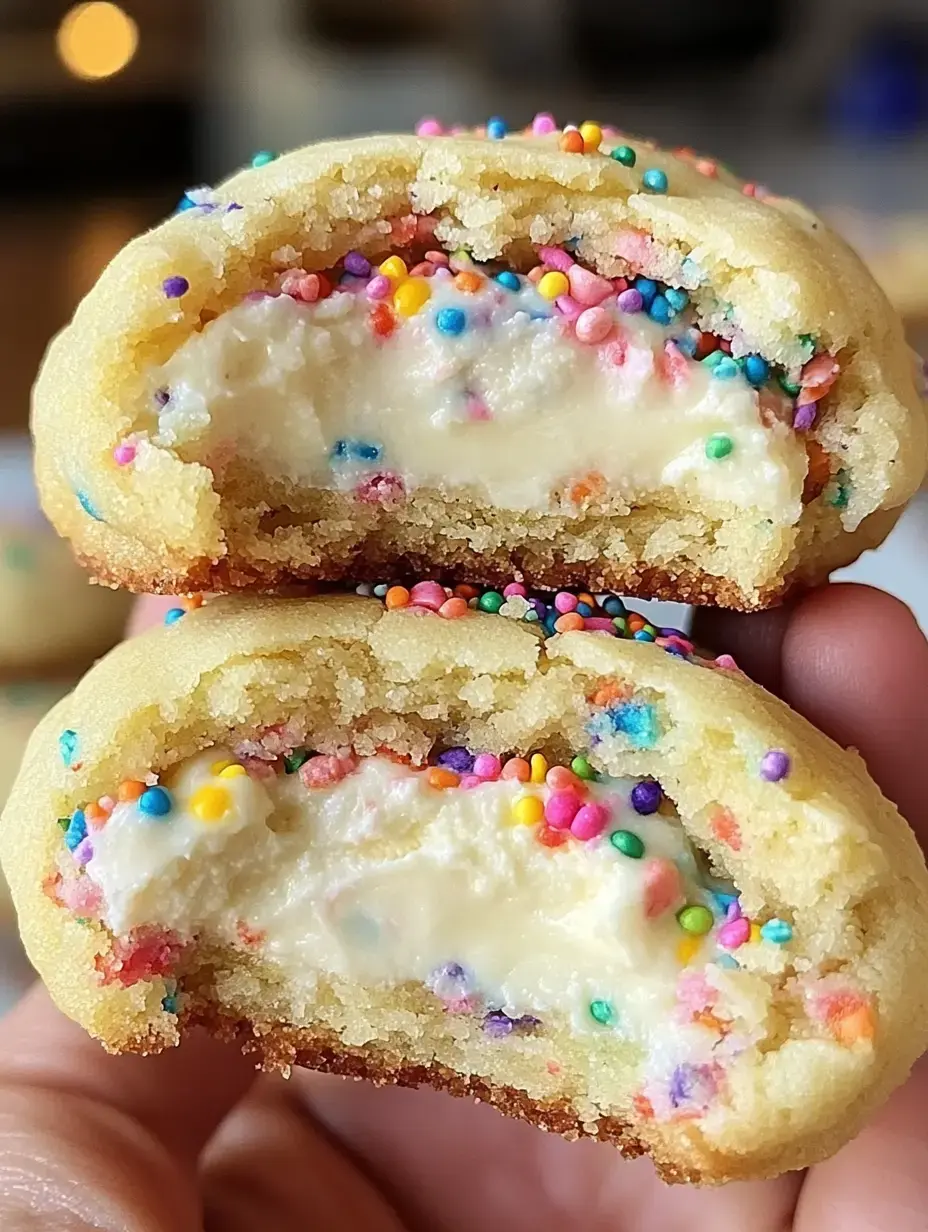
x: 97, y: 40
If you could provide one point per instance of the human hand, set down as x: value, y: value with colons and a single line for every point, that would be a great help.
x: 192, y: 1140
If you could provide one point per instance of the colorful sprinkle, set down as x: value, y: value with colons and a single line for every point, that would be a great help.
x: 210, y: 803
x: 173, y: 615
x: 646, y: 797
x: 175, y: 287
x: 774, y: 766
x: 655, y: 180
x: 155, y: 802
x: 85, y: 502
x: 293, y: 761
x: 553, y: 284
x: 496, y: 128
x: 777, y: 931
x: 628, y: 843
x: 68, y: 747
x: 528, y: 810
x: 625, y: 155
x: 263, y: 158
x: 695, y: 919
x: 451, y: 321
x: 603, y: 1012
x: 719, y: 446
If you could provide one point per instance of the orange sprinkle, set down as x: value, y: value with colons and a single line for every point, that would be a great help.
x: 723, y: 825
x: 454, y: 608
x: 130, y: 789
x: 568, y: 622
x: 707, y: 1019
x: 571, y: 142
x: 559, y: 778
x: 819, y: 471
x: 635, y: 622
x: 584, y: 596
x: 440, y: 778
x: 855, y: 1026
x: 396, y: 596
x: 465, y: 591
x: 610, y: 691
x: 552, y: 838
x: 468, y: 281
x: 593, y: 484
x: 95, y: 816
x: 401, y: 759
x: 536, y: 274
x: 516, y: 768
x: 191, y: 602
x: 708, y: 166
x: 643, y: 1106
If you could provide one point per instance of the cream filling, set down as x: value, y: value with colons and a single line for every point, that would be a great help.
x: 381, y: 879
x: 514, y: 409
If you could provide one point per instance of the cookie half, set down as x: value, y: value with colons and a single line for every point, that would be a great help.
x: 604, y: 885
x: 609, y: 365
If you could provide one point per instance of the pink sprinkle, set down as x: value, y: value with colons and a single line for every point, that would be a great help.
x: 590, y: 821
x: 425, y: 269
x: 726, y: 663
x: 470, y: 781
x: 616, y: 352
x: 429, y: 127
x: 442, y: 274
x: 564, y: 601
x: 734, y: 933
x: 673, y: 366
x: 428, y: 594
x: 379, y: 287
x: 662, y: 886
x: 82, y: 896
x: 321, y: 771
x: 124, y: 454
x: 477, y: 409
x: 593, y: 325
x: 514, y: 588
x: 567, y: 306
x: 438, y: 259
x: 681, y: 644
x: 487, y: 766
x: 543, y: 124
x: 588, y: 288
x: 383, y: 489
x: 557, y: 259
x: 599, y: 624
x: 561, y: 808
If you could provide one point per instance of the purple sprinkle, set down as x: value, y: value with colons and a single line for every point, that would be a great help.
x: 357, y: 263
x: 83, y: 852
x: 498, y: 1024
x: 457, y: 759
x: 162, y: 397
x: 646, y: 796
x: 233, y: 205
x: 175, y: 287
x: 539, y: 608
x: 733, y: 910
x: 673, y: 633
x: 805, y: 415
x: 774, y: 765
x: 681, y: 1084
x: 630, y: 301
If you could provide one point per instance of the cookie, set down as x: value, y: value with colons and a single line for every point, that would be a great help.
x: 51, y: 615
x: 580, y: 358
x: 605, y: 885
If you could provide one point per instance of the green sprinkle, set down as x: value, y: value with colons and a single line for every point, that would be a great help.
x: 719, y: 446
x: 789, y: 387
x: 490, y: 601
x: 807, y: 341
x: 625, y: 155
x: 582, y: 768
x: 294, y: 760
x: 621, y: 624
x: 629, y: 844
x: 713, y: 359
x: 603, y: 1012
x: 64, y: 822
x: 263, y: 157
x: 840, y: 495
x: 697, y: 920
x: 531, y: 616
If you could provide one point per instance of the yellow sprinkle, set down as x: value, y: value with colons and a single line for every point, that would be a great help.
x: 688, y: 948
x: 552, y: 284
x: 232, y: 771
x: 395, y: 268
x: 539, y: 768
x: 755, y: 932
x: 210, y: 803
x: 411, y: 296
x: 592, y: 136
x: 218, y: 766
x: 527, y: 811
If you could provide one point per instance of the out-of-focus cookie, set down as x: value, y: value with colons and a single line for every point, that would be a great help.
x: 571, y: 355
x: 603, y: 884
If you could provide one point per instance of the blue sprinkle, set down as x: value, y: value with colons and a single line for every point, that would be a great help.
x: 726, y: 369
x: 67, y: 747
x: 643, y: 636
x: 655, y: 180
x: 185, y: 204
x: 549, y: 621
x: 659, y: 310
x: 169, y: 1003
x: 583, y: 609
x: 675, y: 650
x: 263, y: 157
x: 646, y: 288
x: 76, y: 831
x: 496, y: 128
x: 88, y: 506
x: 777, y: 931
x: 451, y: 321
x: 361, y: 451
x: 687, y: 344
x: 713, y: 359
x: 615, y: 607
x: 637, y: 721
x: 726, y: 960
x: 155, y: 802
x: 691, y: 271
x: 509, y: 280
x: 173, y: 615
x: 380, y: 590
x: 365, y: 451
x: 724, y: 901
x: 677, y: 299
x: 756, y: 369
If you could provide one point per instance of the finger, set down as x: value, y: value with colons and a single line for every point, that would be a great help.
x: 149, y: 611
x: 271, y: 1167
x: 754, y: 639
x: 115, y: 1138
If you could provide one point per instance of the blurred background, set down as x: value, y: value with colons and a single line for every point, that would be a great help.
x: 108, y: 112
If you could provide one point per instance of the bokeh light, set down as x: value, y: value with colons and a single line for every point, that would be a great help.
x: 97, y: 40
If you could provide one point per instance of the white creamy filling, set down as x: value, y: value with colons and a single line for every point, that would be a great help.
x: 513, y: 408
x: 382, y: 879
